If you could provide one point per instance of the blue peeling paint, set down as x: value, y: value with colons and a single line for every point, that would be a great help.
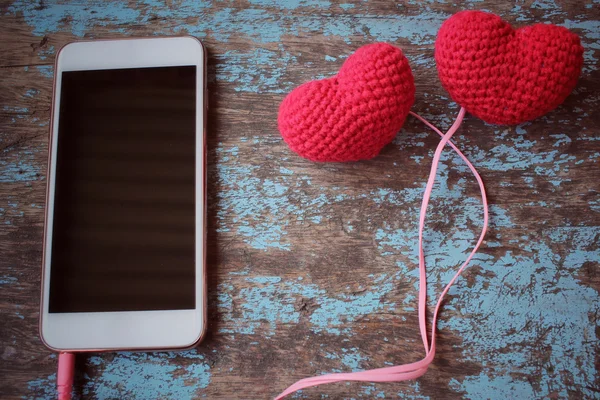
x: 264, y: 279
x: 561, y: 139
x: 316, y: 219
x: 551, y: 9
x: 291, y: 4
x: 595, y: 204
x: 335, y: 313
x: 590, y: 27
x: 264, y: 236
x: 500, y: 388
x: 351, y: 359
x: 272, y: 301
x: 149, y: 375
x: 44, y: 53
x: 370, y: 392
x: 254, y: 71
x: 47, y: 71
x: 23, y: 170
x: 42, y: 388
x: 262, y: 209
x: 32, y: 93
x: 420, y: 29
x: 52, y: 17
x: 16, y: 110
x: 504, y: 157
x: 534, y: 303
x: 7, y: 280
x: 182, y: 10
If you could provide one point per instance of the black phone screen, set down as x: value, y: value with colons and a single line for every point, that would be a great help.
x: 123, y: 234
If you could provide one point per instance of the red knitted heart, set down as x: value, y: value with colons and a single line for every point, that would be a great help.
x: 354, y: 114
x: 502, y: 75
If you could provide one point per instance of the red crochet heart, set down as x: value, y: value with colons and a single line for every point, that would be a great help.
x: 502, y: 75
x: 354, y: 114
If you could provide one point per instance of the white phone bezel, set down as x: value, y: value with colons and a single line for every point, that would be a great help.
x: 128, y: 330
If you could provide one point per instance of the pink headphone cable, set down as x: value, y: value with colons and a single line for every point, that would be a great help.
x: 64, y: 376
x: 416, y: 369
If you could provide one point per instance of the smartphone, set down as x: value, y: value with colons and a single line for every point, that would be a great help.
x: 124, y: 238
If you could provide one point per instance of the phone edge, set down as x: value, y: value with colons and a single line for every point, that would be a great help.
x: 204, y: 299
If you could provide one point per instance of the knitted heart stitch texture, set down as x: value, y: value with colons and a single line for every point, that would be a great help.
x: 502, y: 75
x: 354, y: 114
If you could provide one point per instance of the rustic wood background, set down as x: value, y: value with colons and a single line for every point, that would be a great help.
x: 312, y: 267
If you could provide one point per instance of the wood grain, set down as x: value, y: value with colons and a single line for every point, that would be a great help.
x: 312, y: 266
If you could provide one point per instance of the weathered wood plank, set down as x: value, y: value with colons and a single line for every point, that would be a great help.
x: 312, y: 266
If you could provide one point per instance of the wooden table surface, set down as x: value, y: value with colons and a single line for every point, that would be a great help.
x: 312, y: 267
